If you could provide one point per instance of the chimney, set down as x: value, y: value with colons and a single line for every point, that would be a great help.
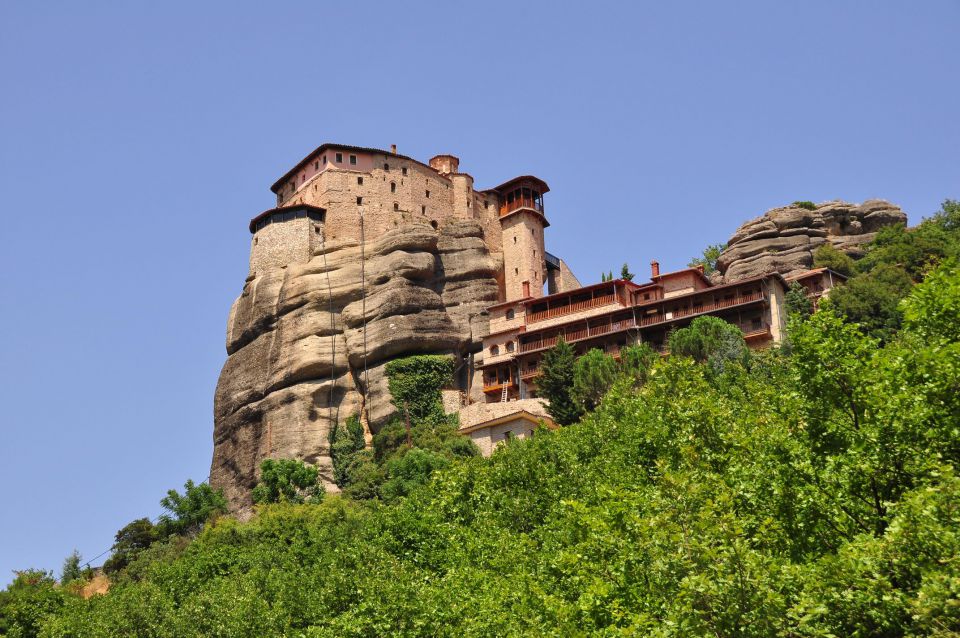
x: 654, y: 269
x: 393, y: 149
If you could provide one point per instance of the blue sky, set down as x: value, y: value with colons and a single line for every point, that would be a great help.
x: 137, y: 139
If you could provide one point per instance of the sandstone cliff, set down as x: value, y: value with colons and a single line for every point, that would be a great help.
x: 298, y: 360
x: 783, y: 239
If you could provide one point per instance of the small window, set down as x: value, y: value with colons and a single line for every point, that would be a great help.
x: 428, y: 194
x: 360, y: 181
x: 510, y: 346
x: 393, y: 187
x: 353, y: 160
x: 514, y: 239
x: 316, y: 165
x: 423, y: 210
x: 511, y: 314
x: 403, y: 171
x: 359, y: 201
x: 324, y: 160
x: 494, y: 351
x: 386, y: 167
x: 486, y: 204
x: 507, y: 435
x: 396, y: 206
x: 339, y: 158
x: 516, y: 271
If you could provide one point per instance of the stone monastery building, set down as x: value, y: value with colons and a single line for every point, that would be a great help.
x: 342, y: 194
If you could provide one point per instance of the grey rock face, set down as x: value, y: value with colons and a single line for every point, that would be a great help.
x: 784, y: 239
x: 295, y: 342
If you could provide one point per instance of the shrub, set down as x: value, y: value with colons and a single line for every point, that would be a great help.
x: 287, y: 481
x: 826, y: 256
x: 805, y: 204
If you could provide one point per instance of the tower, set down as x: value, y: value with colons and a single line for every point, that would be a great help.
x: 522, y: 222
x: 285, y: 235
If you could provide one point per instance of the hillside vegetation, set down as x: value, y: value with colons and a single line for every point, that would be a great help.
x: 811, y: 490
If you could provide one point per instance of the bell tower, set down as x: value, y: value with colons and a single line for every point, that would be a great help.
x: 522, y: 221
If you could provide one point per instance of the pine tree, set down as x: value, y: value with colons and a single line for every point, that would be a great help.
x: 556, y: 383
x: 625, y: 273
x: 71, y: 568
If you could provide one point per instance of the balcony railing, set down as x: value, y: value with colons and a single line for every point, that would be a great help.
x: 579, y: 306
x: 756, y: 333
x: 498, y: 387
x: 651, y: 320
x: 521, y: 202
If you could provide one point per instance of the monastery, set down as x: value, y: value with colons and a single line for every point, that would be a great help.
x: 342, y: 193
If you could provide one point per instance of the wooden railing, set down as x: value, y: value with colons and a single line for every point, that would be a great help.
x: 523, y: 202
x: 763, y: 331
x: 497, y: 387
x: 559, y: 311
x: 658, y: 318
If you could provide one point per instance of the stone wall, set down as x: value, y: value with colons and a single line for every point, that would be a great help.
x: 289, y: 242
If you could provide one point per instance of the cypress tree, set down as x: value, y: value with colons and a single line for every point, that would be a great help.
x: 556, y: 383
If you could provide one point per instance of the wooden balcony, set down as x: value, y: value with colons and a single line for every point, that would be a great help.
x: 589, y: 332
x: 521, y: 202
x: 757, y: 334
x: 579, y: 306
x: 497, y: 386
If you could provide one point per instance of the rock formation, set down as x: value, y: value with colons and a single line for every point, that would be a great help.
x: 298, y: 357
x: 783, y: 239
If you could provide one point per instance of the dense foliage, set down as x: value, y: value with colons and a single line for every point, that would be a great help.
x: 709, y: 340
x: 896, y: 259
x: 813, y: 494
x: 288, y: 481
x: 811, y: 490
x: 406, y: 451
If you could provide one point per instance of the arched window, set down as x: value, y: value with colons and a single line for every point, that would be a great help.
x: 393, y: 187
x: 510, y: 314
x: 494, y: 351
x: 510, y: 346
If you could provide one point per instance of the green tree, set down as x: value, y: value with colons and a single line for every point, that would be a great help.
x: 410, y: 471
x: 28, y: 602
x: 625, y: 273
x: 708, y: 259
x: 188, y: 512
x: 805, y: 204
x: 129, y: 541
x: 827, y: 256
x: 287, y: 481
x: 709, y: 340
x: 593, y: 375
x: 636, y: 361
x: 71, y: 568
x: 346, y: 442
x: 797, y: 301
x: 872, y: 300
x: 556, y: 383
